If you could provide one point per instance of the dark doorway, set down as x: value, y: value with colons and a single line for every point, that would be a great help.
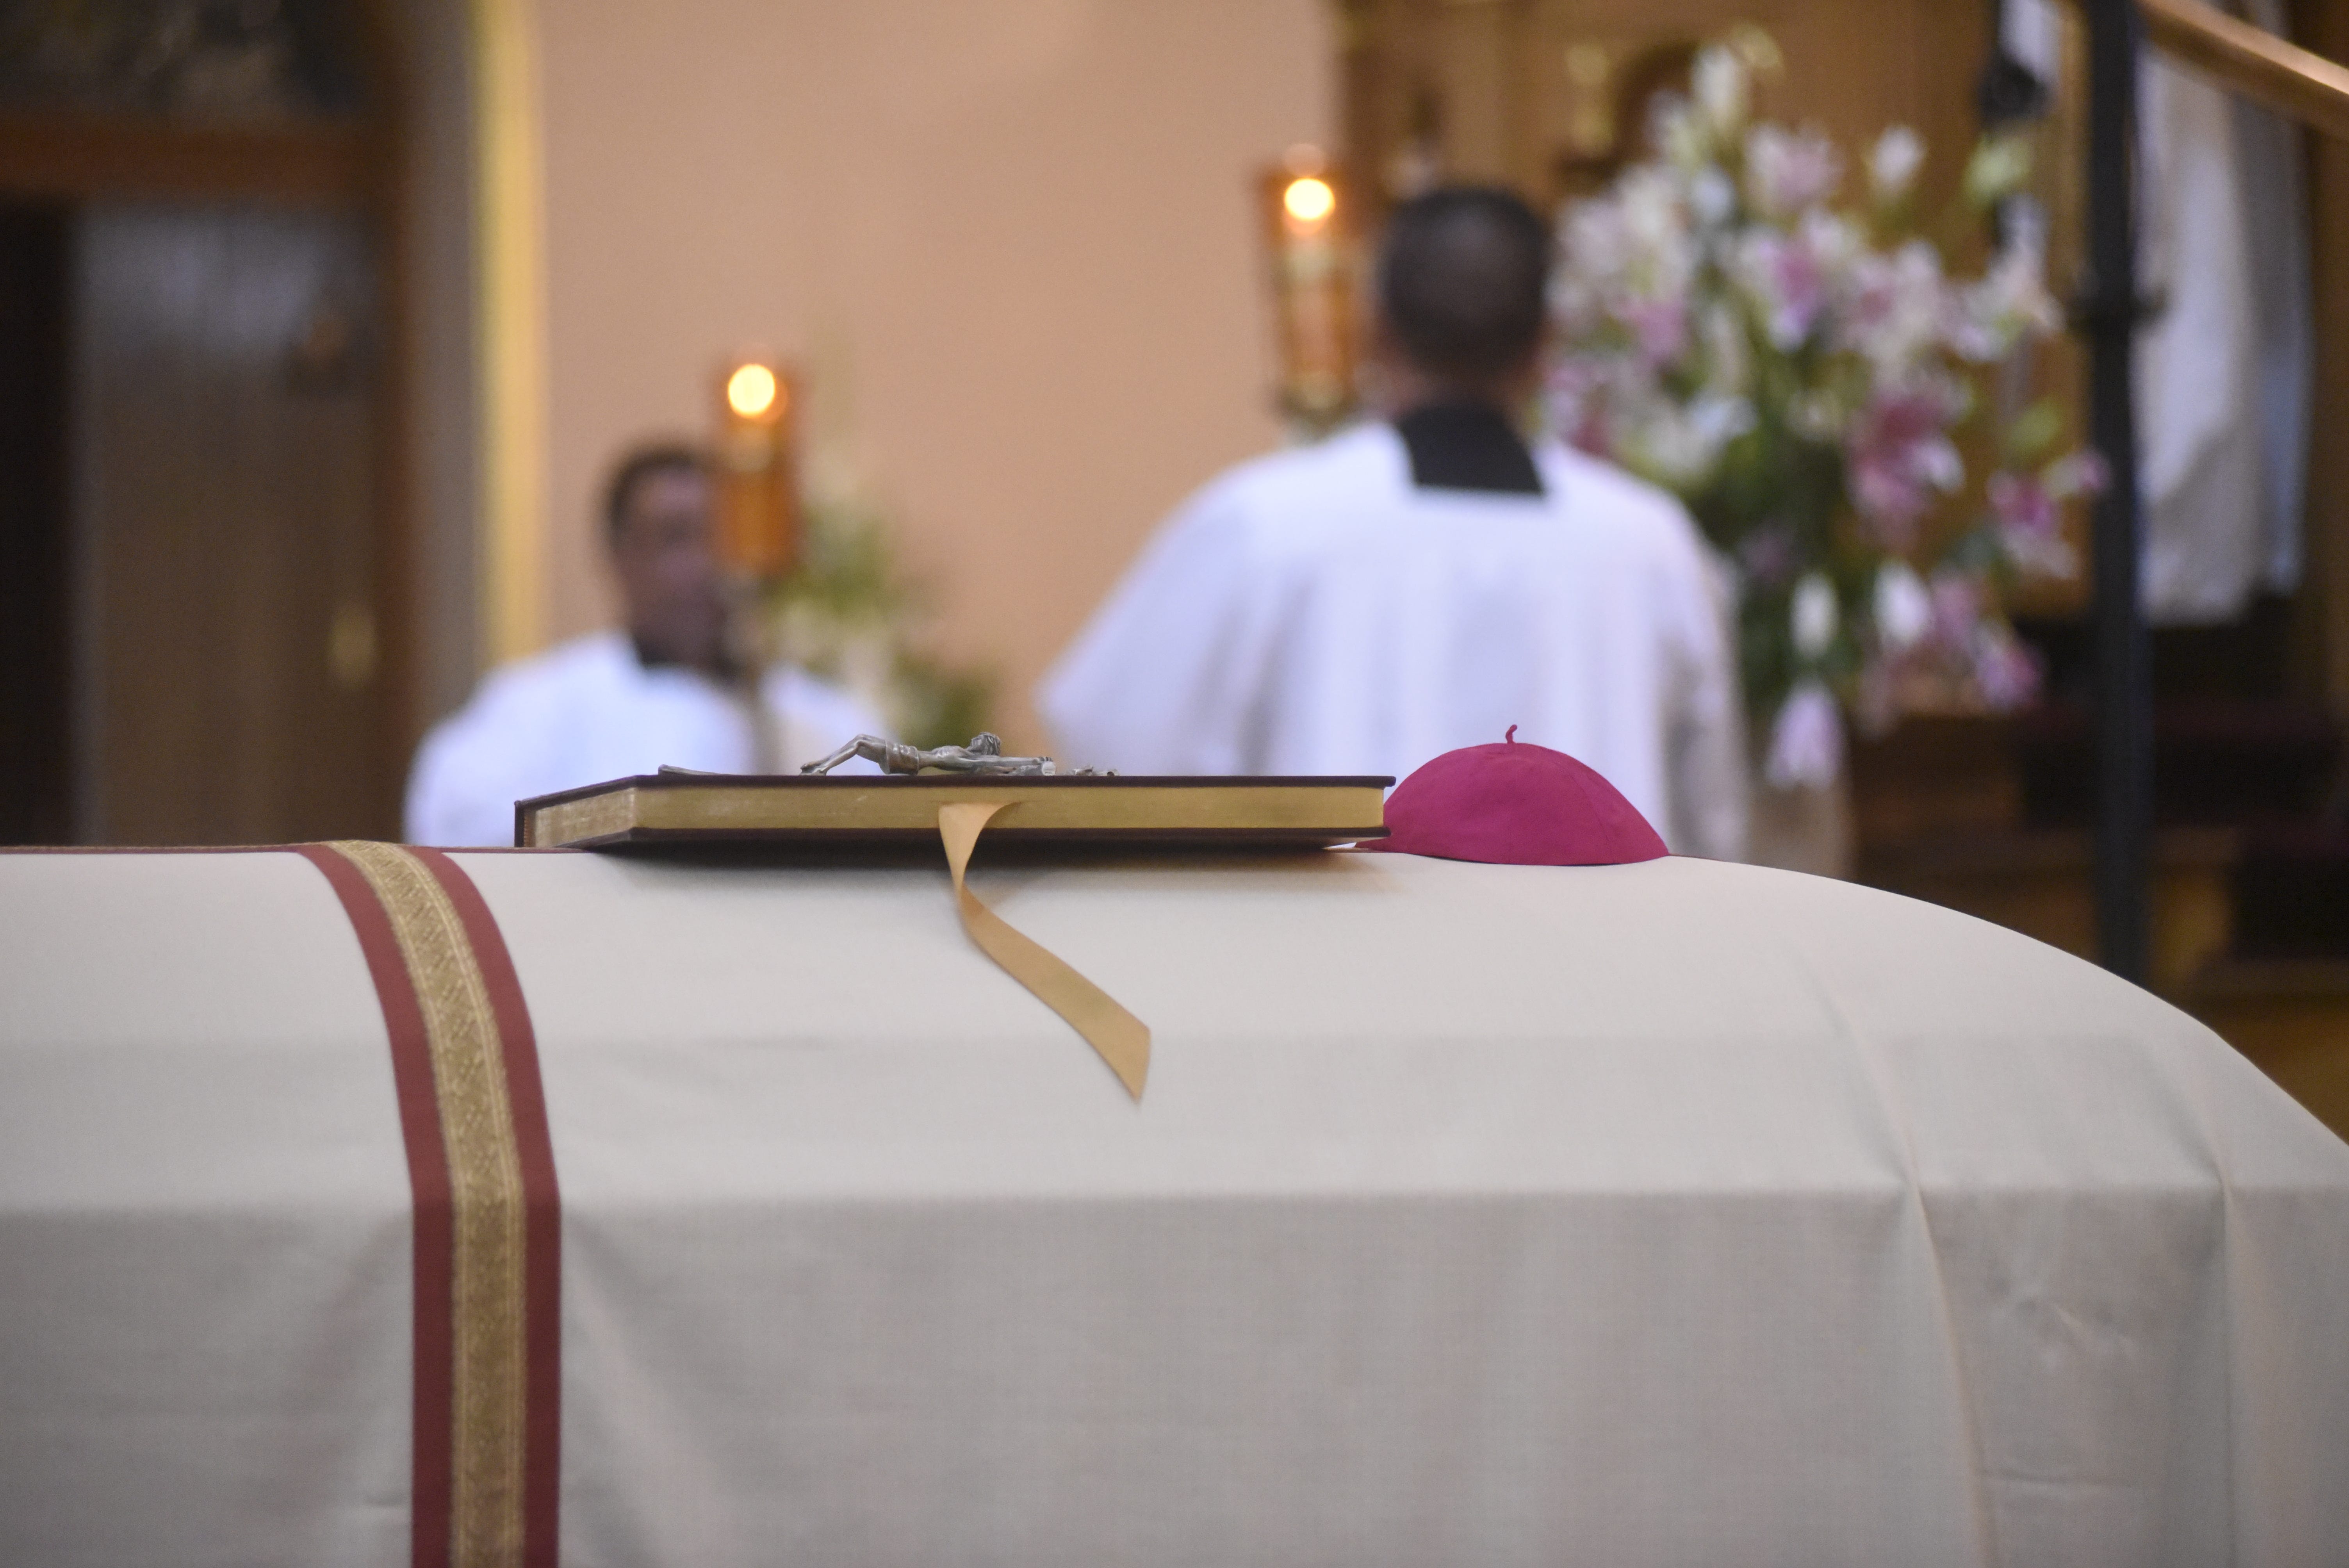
x: 36, y: 575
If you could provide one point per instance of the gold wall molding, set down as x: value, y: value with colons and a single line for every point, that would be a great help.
x: 510, y: 305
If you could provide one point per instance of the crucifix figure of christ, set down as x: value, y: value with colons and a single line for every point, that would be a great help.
x: 983, y: 755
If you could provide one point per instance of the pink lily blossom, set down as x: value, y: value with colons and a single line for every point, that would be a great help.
x: 1789, y: 171
x: 1807, y: 739
x: 1900, y: 458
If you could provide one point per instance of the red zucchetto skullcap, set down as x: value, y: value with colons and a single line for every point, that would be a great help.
x: 1515, y: 806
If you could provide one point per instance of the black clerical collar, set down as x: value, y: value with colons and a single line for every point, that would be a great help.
x: 646, y: 659
x: 1467, y: 445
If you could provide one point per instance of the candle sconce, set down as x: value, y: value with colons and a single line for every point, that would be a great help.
x: 1312, y: 245
x: 757, y: 478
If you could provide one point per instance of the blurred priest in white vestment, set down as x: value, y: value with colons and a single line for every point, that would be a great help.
x: 1422, y: 582
x: 662, y: 691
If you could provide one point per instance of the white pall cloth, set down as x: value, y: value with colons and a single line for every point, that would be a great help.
x: 1316, y: 612
x: 590, y: 710
x: 1662, y: 1214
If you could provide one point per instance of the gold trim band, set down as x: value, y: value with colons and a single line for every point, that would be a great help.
x: 488, y: 1288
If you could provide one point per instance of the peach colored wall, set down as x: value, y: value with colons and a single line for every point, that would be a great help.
x: 1014, y: 235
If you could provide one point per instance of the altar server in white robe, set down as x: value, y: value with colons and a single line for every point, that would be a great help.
x: 662, y: 691
x: 1422, y: 581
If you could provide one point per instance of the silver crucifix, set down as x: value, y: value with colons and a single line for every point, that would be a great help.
x: 983, y: 755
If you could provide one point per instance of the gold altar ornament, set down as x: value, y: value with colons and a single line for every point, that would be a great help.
x: 758, y: 489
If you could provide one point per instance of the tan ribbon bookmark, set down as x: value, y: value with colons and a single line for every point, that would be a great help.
x: 1123, y: 1040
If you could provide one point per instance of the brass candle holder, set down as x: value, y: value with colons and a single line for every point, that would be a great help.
x: 1313, y: 249
x: 757, y: 478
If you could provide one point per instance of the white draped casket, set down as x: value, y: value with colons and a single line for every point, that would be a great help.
x: 363, y: 1207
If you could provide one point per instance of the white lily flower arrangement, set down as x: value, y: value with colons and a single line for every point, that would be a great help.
x: 1797, y: 372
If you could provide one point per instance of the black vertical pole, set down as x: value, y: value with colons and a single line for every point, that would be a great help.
x: 2124, y: 666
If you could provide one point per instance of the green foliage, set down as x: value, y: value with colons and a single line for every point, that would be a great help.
x: 850, y: 615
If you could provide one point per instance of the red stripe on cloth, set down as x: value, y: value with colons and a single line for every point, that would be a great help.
x: 427, y: 1181
x: 542, y: 1210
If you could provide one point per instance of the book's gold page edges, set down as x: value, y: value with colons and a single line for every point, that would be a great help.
x: 594, y: 817
x: 1141, y: 807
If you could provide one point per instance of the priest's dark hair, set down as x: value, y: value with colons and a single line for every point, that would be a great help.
x: 638, y: 464
x: 1462, y: 281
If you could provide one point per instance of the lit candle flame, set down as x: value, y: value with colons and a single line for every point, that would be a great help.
x: 1308, y: 201
x: 751, y: 390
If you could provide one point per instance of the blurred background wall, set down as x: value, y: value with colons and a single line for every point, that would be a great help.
x: 1012, y: 244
